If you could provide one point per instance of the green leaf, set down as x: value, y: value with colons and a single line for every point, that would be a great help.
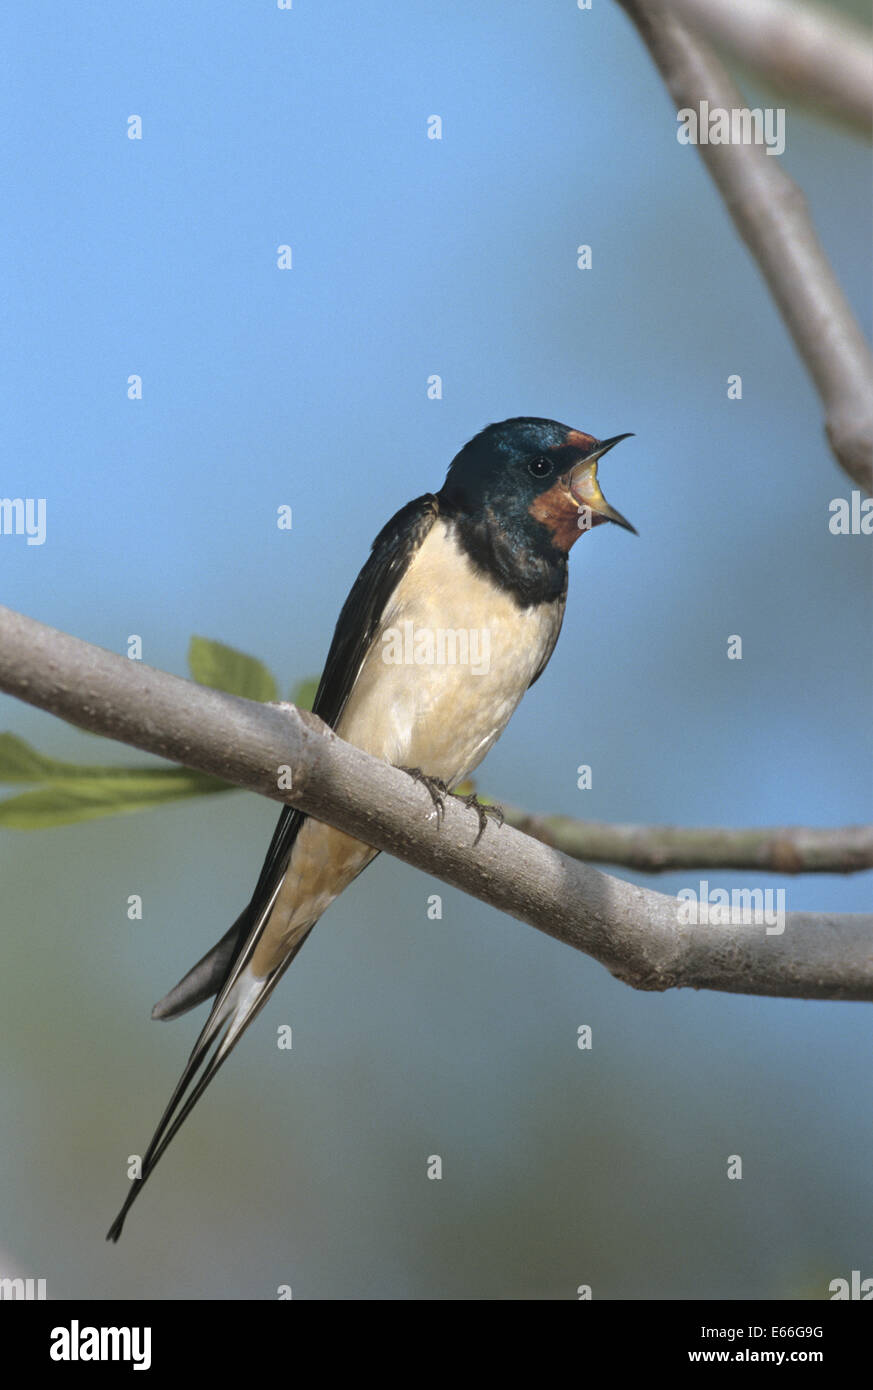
x: 224, y: 668
x: 118, y: 791
x: 303, y: 693
x: 72, y: 792
x: 21, y: 763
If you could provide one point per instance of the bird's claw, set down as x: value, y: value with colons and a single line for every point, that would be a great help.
x: 483, y: 810
x: 439, y: 791
x: 435, y: 786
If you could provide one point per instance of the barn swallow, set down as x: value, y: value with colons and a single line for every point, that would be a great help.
x: 487, y: 555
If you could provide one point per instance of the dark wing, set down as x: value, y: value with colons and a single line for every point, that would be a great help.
x: 356, y: 627
x: 221, y: 971
x: 362, y: 611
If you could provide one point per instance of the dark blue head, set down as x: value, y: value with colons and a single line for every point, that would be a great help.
x: 537, y: 479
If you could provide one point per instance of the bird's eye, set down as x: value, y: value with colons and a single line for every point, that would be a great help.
x: 540, y: 467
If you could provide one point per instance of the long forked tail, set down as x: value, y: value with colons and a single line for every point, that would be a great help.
x: 207, y: 978
x: 239, y: 1002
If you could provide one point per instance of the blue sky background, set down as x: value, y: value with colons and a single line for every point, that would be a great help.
x: 308, y: 387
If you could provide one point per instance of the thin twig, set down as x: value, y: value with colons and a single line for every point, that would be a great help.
x: 770, y: 214
x: 655, y: 849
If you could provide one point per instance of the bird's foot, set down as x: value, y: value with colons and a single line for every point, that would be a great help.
x: 439, y: 791
x: 435, y: 786
x: 483, y: 810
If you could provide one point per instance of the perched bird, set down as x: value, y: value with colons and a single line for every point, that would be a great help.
x: 484, y: 557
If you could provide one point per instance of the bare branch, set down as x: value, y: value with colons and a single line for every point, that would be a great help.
x: 790, y: 849
x: 770, y: 214
x: 633, y: 931
x: 813, y: 52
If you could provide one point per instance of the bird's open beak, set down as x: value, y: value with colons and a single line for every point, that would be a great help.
x: 583, y: 486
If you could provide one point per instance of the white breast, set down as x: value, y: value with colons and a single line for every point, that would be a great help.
x: 452, y: 659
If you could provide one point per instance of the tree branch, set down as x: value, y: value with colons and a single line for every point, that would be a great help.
x: 633, y: 931
x: 770, y: 214
x: 790, y: 849
x: 816, y: 53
